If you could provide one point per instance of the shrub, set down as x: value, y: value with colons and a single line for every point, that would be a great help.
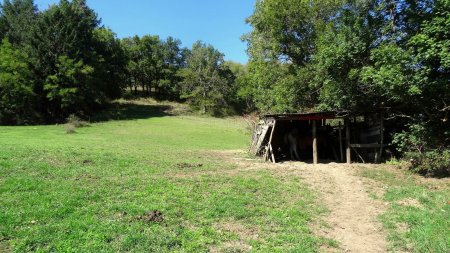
x: 426, y: 149
x: 70, y: 128
x: 432, y: 163
x: 76, y: 121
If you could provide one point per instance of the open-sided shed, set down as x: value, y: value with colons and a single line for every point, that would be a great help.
x: 325, y: 136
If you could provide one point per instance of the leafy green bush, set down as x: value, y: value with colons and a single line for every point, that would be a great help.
x: 432, y: 163
x: 424, y: 148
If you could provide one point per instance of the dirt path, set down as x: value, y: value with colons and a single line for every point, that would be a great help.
x: 353, y: 213
x: 352, y: 220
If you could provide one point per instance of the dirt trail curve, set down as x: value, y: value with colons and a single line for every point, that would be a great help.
x: 353, y: 213
x: 352, y: 218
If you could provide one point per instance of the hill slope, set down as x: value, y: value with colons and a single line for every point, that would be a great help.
x: 152, y: 182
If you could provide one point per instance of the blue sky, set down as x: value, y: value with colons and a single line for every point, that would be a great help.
x: 217, y: 22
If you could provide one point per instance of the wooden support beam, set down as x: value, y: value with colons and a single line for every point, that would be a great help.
x: 367, y: 145
x: 272, y: 154
x: 378, y: 158
x: 270, y: 141
x: 347, y: 136
x: 360, y: 157
x: 340, y: 142
x: 315, y: 151
x: 266, y: 153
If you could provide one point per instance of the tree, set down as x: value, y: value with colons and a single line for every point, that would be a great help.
x: 153, y: 65
x: 16, y: 86
x: 342, y: 50
x: 286, y: 29
x: 206, y: 80
x: 17, y: 20
x: 355, y: 56
x: 241, y: 90
x: 78, y: 65
x: 110, y: 64
x: 174, y: 59
x: 64, y: 39
x: 68, y: 87
x: 432, y: 57
x: 146, y: 61
x: 131, y: 48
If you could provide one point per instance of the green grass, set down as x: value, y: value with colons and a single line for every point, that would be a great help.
x: 418, y: 217
x: 84, y: 192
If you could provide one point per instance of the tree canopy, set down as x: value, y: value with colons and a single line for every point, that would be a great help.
x: 355, y: 56
x: 206, y: 79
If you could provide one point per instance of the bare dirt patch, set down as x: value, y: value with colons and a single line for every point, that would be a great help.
x: 353, y: 213
x: 155, y: 216
x: 352, y: 218
x: 87, y: 162
x: 188, y: 165
x: 4, y: 245
x: 243, y: 233
x: 410, y: 202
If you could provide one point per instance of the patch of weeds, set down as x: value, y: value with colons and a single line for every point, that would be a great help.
x: 155, y: 216
x: 188, y: 165
x: 87, y: 161
x: 431, y: 163
x: 400, y: 163
x: 70, y: 129
x: 74, y: 122
x: 417, y: 219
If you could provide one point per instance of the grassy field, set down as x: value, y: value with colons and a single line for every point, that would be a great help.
x: 96, y: 190
x: 418, y: 217
x: 147, y: 178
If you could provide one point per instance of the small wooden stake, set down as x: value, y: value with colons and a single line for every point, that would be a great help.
x: 314, y: 133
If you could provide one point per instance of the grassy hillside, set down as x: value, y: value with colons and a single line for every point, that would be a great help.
x: 97, y: 190
x: 417, y: 219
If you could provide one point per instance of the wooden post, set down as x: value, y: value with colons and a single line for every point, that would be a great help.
x: 340, y: 142
x: 314, y: 133
x: 270, y: 140
x: 381, y: 138
x: 272, y: 154
x: 347, y: 136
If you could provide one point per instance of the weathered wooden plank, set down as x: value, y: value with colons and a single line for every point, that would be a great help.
x: 260, y: 141
x: 347, y: 137
x: 368, y: 145
x: 371, y: 134
x: 272, y: 154
x: 270, y: 141
x: 340, y: 142
x: 378, y: 158
x: 360, y: 157
x: 314, y: 136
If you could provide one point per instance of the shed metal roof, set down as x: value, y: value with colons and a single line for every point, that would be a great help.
x: 306, y: 116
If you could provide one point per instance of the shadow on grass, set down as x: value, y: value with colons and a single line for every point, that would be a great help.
x: 131, y: 111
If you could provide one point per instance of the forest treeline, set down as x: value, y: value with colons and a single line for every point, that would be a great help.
x: 357, y: 56
x: 334, y: 55
x: 62, y: 61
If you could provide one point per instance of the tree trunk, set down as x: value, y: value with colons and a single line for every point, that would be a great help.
x: 204, y: 106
